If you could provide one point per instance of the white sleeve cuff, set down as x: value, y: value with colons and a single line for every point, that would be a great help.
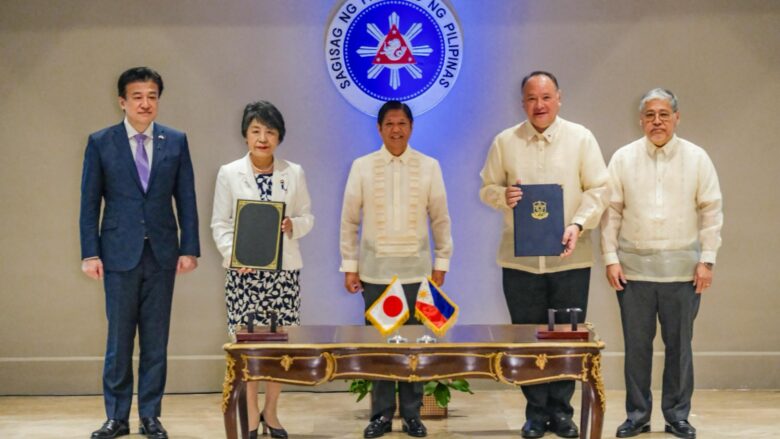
x: 441, y: 264
x: 610, y: 258
x: 708, y: 257
x: 349, y: 266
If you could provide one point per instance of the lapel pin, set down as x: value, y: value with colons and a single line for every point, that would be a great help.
x: 161, y: 137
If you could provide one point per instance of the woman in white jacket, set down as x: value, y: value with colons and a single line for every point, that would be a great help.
x: 261, y: 176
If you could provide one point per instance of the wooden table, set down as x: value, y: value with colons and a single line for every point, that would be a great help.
x: 507, y: 353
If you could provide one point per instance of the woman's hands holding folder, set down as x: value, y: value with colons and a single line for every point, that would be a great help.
x: 287, y: 226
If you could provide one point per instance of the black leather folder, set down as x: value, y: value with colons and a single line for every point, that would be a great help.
x: 257, y: 237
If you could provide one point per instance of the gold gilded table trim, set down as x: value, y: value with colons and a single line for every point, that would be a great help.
x: 541, y: 360
x: 599, y: 381
x: 286, y: 362
x: 406, y: 346
x: 227, y: 385
x: 414, y: 361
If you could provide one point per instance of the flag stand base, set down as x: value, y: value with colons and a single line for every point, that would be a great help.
x: 426, y: 339
x: 397, y: 338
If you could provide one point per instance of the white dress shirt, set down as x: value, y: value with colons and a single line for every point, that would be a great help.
x: 397, y: 196
x: 567, y: 154
x: 665, y: 211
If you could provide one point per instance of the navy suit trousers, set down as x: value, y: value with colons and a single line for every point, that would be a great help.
x: 138, y: 299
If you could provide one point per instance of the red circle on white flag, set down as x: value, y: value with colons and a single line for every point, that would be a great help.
x: 392, y: 306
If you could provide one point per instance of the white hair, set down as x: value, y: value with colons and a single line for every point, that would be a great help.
x: 659, y: 93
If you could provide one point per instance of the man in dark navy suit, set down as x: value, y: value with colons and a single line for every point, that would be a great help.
x: 134, y: 170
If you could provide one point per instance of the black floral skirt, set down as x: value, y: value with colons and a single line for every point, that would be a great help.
x: 260, y: 291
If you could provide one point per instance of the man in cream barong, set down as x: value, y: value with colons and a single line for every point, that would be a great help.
x: 390, y: 197
x: 659, y: 237
x: 546, y: 149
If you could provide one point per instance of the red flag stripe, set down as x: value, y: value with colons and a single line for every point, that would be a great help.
x: 431, y: 313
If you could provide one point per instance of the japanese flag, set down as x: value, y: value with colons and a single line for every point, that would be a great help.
x: 390, y: 310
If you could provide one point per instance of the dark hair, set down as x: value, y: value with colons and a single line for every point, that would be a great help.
x: 539, y: 73
x: 265, y: 113
x: 393, y: 105
x: 138, y: 74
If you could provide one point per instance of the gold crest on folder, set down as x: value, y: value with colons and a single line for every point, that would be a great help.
x: 540, y: 210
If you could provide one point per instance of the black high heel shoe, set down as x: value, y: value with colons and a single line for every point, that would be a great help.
x: 276, y: 433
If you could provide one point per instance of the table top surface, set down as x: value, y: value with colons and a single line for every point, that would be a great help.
x: 369, y: 337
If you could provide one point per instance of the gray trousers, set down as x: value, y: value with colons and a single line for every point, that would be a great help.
x: 383, y: 392
x: 675, y: 304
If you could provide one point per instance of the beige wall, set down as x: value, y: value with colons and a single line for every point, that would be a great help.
x: 59, y: 62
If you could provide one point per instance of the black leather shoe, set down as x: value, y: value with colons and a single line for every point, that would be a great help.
x: 564, y: 427
x: 631, y: 429
x: 276, y: 433
x: 378, y: 427
x: 152, y: 428
x: 414, y: 427
x: 681, y: 429
x: 533, y: 429
x: 111, y: 428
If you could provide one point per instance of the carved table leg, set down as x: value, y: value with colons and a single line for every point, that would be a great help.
x: 242, y: 415
x: 587, y: 398
x: 233, y: 391
x: 594, y: 387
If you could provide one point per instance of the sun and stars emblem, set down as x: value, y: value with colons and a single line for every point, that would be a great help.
x: 394, y: 51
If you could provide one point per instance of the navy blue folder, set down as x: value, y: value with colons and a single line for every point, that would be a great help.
x: 539, y: 220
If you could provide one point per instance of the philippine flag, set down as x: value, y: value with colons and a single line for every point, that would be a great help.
x: 390, y: 310
x: 434, y: 309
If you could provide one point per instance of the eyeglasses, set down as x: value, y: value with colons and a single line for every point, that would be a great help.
x: 650, y: 116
